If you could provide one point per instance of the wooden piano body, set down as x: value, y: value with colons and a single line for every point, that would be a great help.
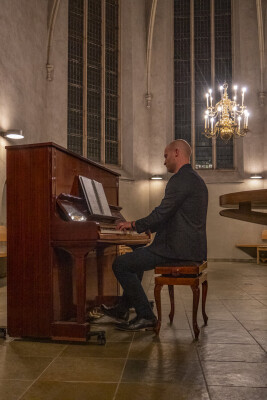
x: 56, y: 269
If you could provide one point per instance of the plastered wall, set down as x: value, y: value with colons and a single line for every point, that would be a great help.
x: 23, y: 35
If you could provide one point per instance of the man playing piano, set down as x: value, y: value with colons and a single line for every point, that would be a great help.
x: 180, y: 225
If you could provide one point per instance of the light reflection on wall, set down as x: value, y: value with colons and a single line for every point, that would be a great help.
x: 156, y: 192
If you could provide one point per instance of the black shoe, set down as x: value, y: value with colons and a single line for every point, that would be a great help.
x: 137, y: 324
x: 132, y: 321
x: 115, y: 312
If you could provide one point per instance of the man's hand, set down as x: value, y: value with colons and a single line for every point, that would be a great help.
x: 123, y: 226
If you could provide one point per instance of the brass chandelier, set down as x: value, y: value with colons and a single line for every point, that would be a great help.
x: 227, y: 118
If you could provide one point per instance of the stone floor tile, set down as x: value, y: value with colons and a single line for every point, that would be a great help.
x: 178, y: 323
x: 232, y: 352
x: 242, y: 305
x: 22, y: 368
x: 256, y: 315
x: 86, y: 369
x: 162, y: 370
x: 161, y: 391
x: 223, y: 336
x: 231, y: 294
x: 13, y: 389
x: 260, y: 336
x: 166, y: 335
x: 237, y: 393
x: 110, y: 350
x: 261, y: 296
x: 213, y: 315
x: 235, y: 374
x: 31, y: 348
x: 214, y: 324
x: 70, y: 391
x: 150, y: 351
x: 255, y: 290
x: 255, y: 325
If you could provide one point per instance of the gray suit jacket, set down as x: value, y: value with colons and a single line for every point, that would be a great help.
x: 180, y: 220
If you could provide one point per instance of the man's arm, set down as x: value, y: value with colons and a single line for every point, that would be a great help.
x: 175, y: 194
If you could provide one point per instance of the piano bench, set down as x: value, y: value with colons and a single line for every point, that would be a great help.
x: 173, y: 275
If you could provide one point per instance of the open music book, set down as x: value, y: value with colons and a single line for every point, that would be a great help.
x: 95, y: 197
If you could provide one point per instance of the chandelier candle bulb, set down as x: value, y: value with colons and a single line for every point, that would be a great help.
x: 210, y: 91
x: 221, y: 89
x: 243, y: 94
x: 246, y: 120
x: 235, y: 89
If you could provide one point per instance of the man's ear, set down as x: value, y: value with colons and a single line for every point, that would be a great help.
x: 176, y: 152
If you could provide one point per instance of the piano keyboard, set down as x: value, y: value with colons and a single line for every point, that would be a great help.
x: 117, y: 232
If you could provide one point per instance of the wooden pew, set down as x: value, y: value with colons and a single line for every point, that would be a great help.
x: 255, y: 250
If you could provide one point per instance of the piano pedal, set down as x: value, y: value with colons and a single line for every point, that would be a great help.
x: 95, y: 314
x: 101, y: 337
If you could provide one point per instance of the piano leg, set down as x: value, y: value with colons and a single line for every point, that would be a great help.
x: 78, y: 330
x: 79, y: 256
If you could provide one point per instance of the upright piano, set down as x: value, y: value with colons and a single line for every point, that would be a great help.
x: 57, y: 269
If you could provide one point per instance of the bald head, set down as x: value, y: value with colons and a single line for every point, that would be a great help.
x: 182, y: 146
x: 177, y: 154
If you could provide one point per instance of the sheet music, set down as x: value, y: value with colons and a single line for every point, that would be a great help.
x: 102, y: 198
x: 95, y: 196
x: 90, y: 195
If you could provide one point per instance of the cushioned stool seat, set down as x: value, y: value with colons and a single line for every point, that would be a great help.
x: 172, y: 275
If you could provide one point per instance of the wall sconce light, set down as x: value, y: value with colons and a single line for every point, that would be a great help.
x: 256, y: 176
x: 156, y: 177
x: 13, y: 134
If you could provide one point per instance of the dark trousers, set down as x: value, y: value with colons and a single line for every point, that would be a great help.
x: 129, y: 269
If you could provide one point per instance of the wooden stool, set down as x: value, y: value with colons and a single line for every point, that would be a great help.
x: 172, y: 275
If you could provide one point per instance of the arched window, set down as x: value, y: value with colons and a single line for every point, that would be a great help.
x: 93, y: 79
x: 202, y: 60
